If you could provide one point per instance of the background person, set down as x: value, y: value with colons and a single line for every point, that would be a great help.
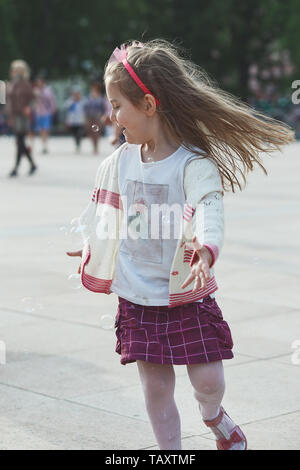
x: 20, y: 100
x: 75, y: 115
x: 44, y: 108
x: 95, y: 110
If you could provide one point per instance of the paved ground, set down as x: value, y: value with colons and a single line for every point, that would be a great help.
x: 62, y: 386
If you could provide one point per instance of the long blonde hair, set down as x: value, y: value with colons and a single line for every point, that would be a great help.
x: 22, y: 67
x: 197, y: 113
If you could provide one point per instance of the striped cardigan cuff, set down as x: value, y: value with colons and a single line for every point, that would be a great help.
x: 214, y: 251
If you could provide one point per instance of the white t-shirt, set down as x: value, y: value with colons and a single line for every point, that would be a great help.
x: 150, y: 230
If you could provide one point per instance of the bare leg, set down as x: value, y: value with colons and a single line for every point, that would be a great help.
x: 44, y: 137
x: 158, y: 381
x: 209, y: 387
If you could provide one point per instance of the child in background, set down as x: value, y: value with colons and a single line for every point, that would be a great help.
x: 44, y: 108
x: 95, y: 110
x: 75, y: 117
x: 187, y: 142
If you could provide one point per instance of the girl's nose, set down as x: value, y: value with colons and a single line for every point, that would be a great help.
x: 112, y: 116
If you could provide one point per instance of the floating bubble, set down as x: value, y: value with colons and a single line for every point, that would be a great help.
x: 77, y: 234
x: 64, y: 230
x: 77, y: 227
x: 75, y: 221
x: 75, y: 281
x: 81, y: 229
x: 107, y: 322
x: 85, y: 239
x: 95, y: 128
x: 30, y: 304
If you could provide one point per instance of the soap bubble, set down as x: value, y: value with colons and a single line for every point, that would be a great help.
x: 77, y: 227
x: 107, y: 322
x: 31, y: 304
x: 74, y: 221
x: 75, y: 281
x: 80, y: 229
x: 77, y: 234
x: 95, y: 128
x: 64, y: 230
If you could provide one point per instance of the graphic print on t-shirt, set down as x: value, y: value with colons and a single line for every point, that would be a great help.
x: 139, y: 244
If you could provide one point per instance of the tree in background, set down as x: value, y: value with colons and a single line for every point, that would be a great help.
x: 9, y: 48
x: 74, y: 37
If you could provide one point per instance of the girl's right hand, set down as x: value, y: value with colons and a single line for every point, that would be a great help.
x: 75, y: 253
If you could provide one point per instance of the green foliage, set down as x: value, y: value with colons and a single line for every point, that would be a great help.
x: 9, y: 47
x: 76, y: 37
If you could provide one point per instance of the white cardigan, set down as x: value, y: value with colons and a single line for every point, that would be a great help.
x: 203, y: 217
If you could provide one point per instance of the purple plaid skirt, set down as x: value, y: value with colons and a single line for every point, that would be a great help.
x: 192, y: 333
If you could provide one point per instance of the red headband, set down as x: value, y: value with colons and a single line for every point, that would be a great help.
x: 120, y: 55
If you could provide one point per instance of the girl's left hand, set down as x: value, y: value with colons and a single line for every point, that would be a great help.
x: 199, y: 270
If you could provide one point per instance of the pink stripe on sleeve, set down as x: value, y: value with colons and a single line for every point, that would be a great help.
x: 214, y: 251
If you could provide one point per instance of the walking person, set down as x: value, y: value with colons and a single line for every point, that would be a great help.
x: 19, y: 105
x: 75, y: 115
x: 95, y: 110
x: 187, y: 142
x: 44, y: 108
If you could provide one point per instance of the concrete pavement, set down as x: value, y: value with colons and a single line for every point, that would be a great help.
x: 61, y: 383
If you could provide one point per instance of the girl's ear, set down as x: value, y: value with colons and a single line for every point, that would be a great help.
x: 149, y: 105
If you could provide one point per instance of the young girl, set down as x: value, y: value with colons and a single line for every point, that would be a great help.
x: 186, y: 143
